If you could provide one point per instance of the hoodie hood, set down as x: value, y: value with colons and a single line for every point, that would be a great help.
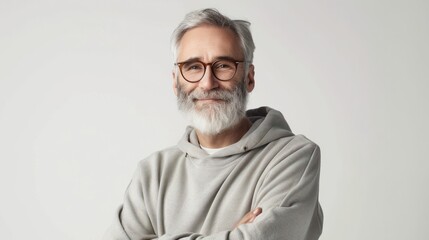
x: 267, y: 125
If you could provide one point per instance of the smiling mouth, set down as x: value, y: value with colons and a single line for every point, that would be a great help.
x: 208, y: 100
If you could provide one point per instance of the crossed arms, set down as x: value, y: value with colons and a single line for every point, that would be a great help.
x: 288, y: 197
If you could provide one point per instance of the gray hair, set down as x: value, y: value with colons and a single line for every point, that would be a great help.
x: 211, y: 16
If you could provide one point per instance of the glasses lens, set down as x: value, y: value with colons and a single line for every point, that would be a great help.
x: 224, y: 69
x: 193, y: 71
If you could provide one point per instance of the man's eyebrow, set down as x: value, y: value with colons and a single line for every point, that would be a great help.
x: 225, y: 58
x: 193, y: 59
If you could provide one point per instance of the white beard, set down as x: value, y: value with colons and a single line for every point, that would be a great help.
x: 215, y: 117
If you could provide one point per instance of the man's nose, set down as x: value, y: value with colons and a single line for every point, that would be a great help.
x: 209, y: 81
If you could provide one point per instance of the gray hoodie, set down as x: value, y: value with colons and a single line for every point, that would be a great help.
x: 184, y: 193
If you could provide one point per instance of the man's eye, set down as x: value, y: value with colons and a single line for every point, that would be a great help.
x: 193, y: 67
x: 224, y: 66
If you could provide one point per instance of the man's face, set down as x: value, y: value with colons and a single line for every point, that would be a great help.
x: 210, y: 104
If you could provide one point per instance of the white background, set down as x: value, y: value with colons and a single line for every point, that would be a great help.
x: 85, y: 93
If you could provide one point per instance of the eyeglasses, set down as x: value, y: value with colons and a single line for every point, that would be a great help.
x: 223, y: 70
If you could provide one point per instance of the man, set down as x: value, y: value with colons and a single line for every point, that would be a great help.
x: 234, y: 174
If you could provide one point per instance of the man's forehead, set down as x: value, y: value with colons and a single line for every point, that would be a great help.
x: 211, y: 42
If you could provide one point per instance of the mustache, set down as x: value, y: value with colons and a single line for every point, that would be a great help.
x: 224, y: 95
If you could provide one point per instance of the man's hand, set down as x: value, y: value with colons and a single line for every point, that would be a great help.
x: 249, y: 217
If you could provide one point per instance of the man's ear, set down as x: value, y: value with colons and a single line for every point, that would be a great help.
x: 250, y: 78
x: 174, y: 78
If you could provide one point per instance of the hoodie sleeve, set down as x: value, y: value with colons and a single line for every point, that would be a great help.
x: 132, y: 218
x: 288, y: 196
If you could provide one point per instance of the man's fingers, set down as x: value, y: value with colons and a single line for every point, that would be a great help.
x: 245, y: 219
x: 254, y: 214
x: 249, y: 217
x: 257, y: 211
